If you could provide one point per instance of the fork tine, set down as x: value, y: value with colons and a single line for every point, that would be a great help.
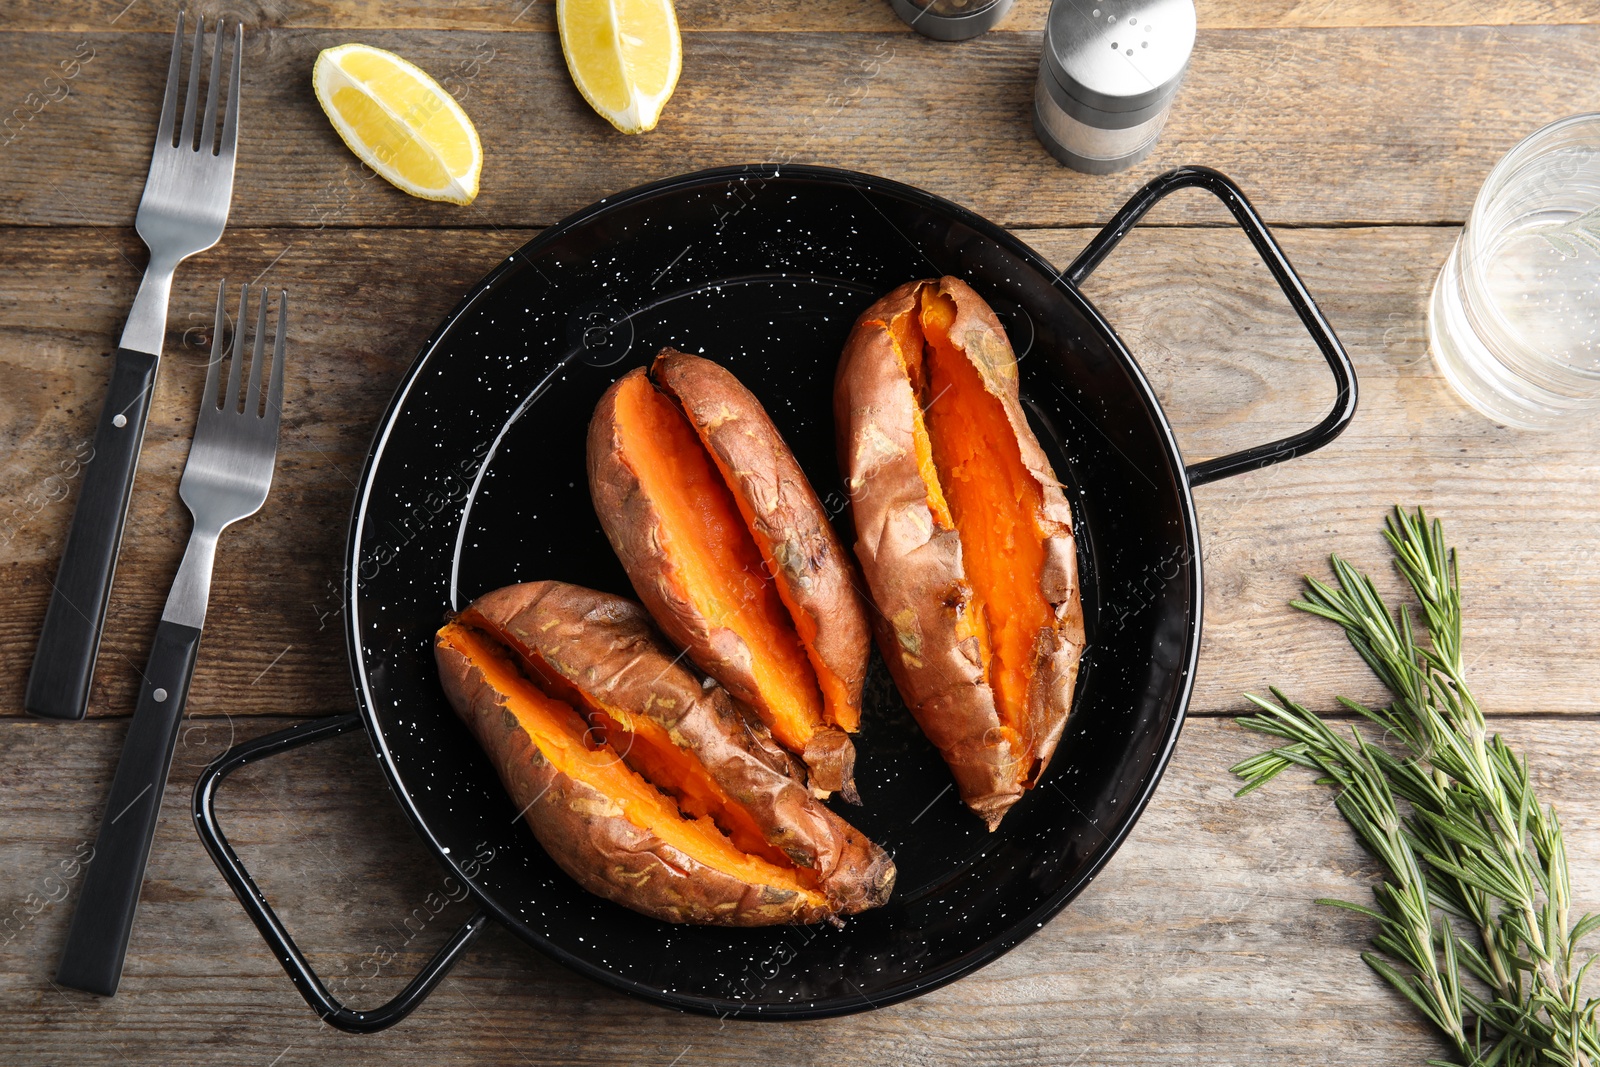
x: 169, y: 101
x: 231, y: 399
x: 213, y: 372
x: 252, y: 400
x: 208, y: 128
x: 230, y: 122
x: 191, y: 101
x: 275, y: 390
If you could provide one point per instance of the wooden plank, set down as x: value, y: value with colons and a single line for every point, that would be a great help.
x: 276, y: 595
x: 1234, y: 368
x: 1200, y: 941
x: 770, y: 16
x: 1373, y: 138
x: 1230, y: 363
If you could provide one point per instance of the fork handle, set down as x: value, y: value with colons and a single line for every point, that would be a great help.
x: 97, y: 940
x: 63, y: 664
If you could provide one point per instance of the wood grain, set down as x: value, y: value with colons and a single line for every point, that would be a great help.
x: 1375, y: 132
x: 760, y: 15
x: 1230, y: 362
x: 1199, y: 942
x: 1234, y: 368
x: 1361, y: 128
x: 276, y: 595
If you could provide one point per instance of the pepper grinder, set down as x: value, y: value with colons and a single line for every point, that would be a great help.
x: 951, y: 20
x: 1107, y: 77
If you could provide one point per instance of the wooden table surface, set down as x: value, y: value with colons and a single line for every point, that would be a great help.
x: 1362, y: 129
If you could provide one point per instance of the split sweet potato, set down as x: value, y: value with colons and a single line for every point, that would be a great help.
x: 964, y: 536
x: 643, y: 785
x: 727, y: 544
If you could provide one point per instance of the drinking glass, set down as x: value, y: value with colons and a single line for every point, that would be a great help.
x: 1514, y: 322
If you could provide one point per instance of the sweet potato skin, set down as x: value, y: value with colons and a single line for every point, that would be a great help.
x: 633, y: 524
x: 590, y: 839
x: 807, y: 557
x: 912, y: 557
x: 605, y: 646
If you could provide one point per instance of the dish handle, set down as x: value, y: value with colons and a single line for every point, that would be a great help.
x: 272, y: 929
x: 1344, y: 373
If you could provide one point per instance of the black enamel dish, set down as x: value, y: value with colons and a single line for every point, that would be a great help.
x: 476, y: 480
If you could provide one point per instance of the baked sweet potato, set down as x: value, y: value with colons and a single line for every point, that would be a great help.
x: 964, y: 536
x: 727, y: 544
x: 646, y: 787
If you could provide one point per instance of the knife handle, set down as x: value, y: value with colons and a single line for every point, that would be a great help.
x: 63, y: 664
x: 97, y: 940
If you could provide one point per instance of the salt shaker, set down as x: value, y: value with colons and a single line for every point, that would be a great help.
x: 1107, y: 78
x: 951, y: 20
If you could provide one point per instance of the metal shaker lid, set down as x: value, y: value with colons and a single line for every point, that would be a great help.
x: 1119, y: 55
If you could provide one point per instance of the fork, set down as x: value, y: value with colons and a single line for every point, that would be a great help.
x: 226, y: 479
x: 183, y: 211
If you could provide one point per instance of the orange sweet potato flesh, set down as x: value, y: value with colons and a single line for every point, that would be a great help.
x: 996, y: 504
x: 801, y: 552
x: 906, y: 336
x: 964, y: 536
x: 684, y: 484
x: 559, y: 733
x: 715, y: 562
x: 645, y: 786
x: 644, y: 745
x: 655, y: 758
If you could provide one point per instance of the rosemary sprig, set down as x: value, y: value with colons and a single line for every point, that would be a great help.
x: 1473, y: 912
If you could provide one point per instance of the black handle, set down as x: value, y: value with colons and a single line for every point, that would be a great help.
x: 272, y: 929
x: 97, y: 940
x: 1344, y: 373
x: 63, y: 664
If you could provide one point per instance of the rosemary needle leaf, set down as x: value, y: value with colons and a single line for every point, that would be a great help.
x: 1583, y: 927
x: 1347, y: 906
x: 1472, y: 912
x: 1403, y: 983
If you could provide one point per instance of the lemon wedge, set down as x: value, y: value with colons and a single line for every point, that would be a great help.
x: 624, y: 56
x: 401, y: 122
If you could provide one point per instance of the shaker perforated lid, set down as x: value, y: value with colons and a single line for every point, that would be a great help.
x: 1119, y: 55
